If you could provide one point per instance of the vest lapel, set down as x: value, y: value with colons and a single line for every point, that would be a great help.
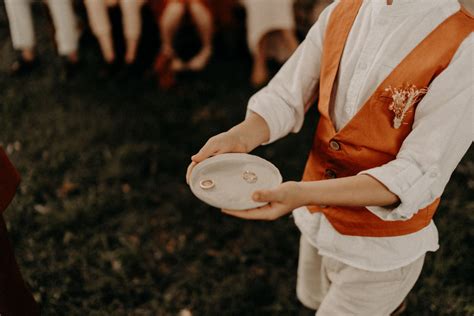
x: 420, y: 67
x: 338, y: 29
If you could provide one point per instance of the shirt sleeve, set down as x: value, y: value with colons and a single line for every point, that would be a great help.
x: 284, y: 101
x: 442, y: 133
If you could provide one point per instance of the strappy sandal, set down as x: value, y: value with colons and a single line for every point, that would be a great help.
x: 163, y: 70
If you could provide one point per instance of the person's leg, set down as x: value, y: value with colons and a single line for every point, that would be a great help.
x: 166, y: 63
x: 358, y: 292
x: 101, y: 27
x: 132, y: 26
x: 289, y: 37
x: 22, y: 32
x: 203, y: 19
x: 260, y: 73
x: 15, y: 298
x: 170, y: 20
x: 311, y: 284
x: 66, y: 28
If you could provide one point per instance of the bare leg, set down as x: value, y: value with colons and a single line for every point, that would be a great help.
x: 169, y: 23
x: 101, y: 27
x: 204, y: 23
x: 260, y: 73
x: 132, y: 23
x: 290, y: 39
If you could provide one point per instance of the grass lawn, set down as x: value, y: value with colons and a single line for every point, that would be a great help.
x: 104, y: 224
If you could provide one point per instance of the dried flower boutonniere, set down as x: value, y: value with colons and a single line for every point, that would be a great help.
x: 402, y: 100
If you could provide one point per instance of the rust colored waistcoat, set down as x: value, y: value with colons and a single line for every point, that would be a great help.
x: 369, y: 140
x: 9, y: 180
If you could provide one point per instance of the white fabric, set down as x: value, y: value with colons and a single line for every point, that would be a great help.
x: 337, y: 289
x: 265, y: 16
x: 100, y: 22
x: 381, y: 37
x: 64, y: 20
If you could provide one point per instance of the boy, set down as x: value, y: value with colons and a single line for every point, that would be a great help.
x: 395, y: 100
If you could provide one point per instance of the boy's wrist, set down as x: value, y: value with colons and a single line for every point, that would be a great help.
x: 308, y: 193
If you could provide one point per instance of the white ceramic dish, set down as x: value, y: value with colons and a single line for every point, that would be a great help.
x: 228, y: 181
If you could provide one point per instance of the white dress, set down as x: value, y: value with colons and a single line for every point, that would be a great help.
x: 265, y: 16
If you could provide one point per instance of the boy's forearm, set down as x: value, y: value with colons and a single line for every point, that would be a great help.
x: 360, y: 190
x: 252, y: 132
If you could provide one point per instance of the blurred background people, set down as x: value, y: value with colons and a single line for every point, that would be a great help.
x: 318, y: 7
x: 170, y: 15
x: 23, y: 37
x: 99, y: 20
x: 270, y: 34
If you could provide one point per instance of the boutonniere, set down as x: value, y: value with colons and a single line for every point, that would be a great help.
x: 402, y: 100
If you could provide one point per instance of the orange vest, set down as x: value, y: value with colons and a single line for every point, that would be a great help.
x: 369, y: 140
x: 9, y: 181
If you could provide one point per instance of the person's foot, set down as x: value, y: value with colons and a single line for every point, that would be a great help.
x: 23, y: 66
x: 177, y: 65
x: 130, y: 57
x: 199, y: 62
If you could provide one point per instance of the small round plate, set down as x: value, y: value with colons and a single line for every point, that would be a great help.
x: 228, y: 181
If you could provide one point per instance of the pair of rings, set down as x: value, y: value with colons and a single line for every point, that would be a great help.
x: 248, y: 176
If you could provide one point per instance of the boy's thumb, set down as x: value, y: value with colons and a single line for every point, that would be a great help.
x: 264, y: 196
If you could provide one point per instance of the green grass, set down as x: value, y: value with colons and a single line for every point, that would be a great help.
x: 129, y: 238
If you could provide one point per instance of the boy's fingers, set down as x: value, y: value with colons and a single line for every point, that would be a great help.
x: 206, y: 151
x: 263, y: 213
x: 266, y: 196
x: 190, y: 169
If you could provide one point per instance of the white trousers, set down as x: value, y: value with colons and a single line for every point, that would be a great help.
x: 100, y: 23
x: 337, y: 289
x: 64, y: 20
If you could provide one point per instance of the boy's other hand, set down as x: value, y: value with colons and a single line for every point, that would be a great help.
x: 228, y: 142
x: 282, y: 200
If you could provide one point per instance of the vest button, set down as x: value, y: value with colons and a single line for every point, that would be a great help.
x: 330, y: 174
x: 334, y: 145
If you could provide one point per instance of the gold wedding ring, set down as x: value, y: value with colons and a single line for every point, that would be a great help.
x: 207, y: 184
x: 249, y: 176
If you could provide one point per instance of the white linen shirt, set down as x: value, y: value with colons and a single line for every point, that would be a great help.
x: 382, y: 35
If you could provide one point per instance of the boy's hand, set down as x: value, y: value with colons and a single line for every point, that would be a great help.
x: 282, y: 200
x: 228, y: 142
x: 242, y: 138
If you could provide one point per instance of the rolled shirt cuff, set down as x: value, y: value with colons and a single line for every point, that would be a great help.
x: 411, y: 184
x: 280, y: 119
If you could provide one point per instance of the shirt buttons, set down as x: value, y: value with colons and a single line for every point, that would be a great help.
x: 433, y: 174
x: 330, y: 174
x: 334, y: 145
